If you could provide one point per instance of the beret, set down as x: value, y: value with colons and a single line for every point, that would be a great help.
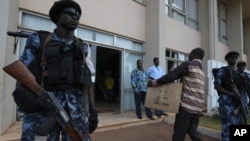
x: 231, y: 53
x: 59, y: 6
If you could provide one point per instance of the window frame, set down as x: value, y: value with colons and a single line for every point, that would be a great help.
x: 170, y: 9
x: 222, y: 37
x: 142, y: 2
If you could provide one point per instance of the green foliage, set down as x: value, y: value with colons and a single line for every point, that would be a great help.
x: 215, y: 112
x: 212, y: 122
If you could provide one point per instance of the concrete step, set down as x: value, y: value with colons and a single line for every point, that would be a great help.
x: 107, y: 121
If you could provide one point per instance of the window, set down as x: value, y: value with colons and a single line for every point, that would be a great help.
x: 36, y: 22
x: 140, y: 1
x: 184, y: 11
x: 174, y: 59
x: 31, y: 22
x: 222, y: 22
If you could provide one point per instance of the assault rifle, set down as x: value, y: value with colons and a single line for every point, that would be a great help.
x: 241, y: 107
x: 58, y: 115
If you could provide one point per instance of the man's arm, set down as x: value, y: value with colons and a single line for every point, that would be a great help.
x: 19, y: 71
x: 222, y: 90
x: 31, y: 49
x: 217, y: 83
x: 149, y: 72
x: 175, y: 74
x: 133, y: 79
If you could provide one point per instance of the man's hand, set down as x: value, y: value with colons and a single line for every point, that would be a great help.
x: 154, y: 83
x: 93, y: 120
x: 136, y: 91
x: 28, y: 101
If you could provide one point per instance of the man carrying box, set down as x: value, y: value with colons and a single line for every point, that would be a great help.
x: 192, y: 98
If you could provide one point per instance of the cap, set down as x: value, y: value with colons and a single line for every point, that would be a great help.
x: 59, y: 6
x: 231, y: 53
x: 241, y: 63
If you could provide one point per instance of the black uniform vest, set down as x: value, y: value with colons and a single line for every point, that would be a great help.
x: 227, y: 82
x: 65, y: 66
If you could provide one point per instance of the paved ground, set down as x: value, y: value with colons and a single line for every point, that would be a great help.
x: 126, y: 127
x: 158, y: 131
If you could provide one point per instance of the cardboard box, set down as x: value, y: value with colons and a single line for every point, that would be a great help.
x: 165, y: 97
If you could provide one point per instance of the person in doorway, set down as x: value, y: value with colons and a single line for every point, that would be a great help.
x: 192, y: 98
x: 109, y: 85
x: 154, y: 72
x: 64, y: 73
x: 139, y: 81
x: 227, y: 80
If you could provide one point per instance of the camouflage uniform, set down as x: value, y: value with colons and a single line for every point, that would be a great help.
x: 246, y: 97
x: 227, y: 105
x: 71, y: 100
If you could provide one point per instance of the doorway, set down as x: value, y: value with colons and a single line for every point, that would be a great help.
x: 108, y: 61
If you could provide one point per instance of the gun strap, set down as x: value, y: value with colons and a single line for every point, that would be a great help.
x: 43, y: 60
x: 85, y: 88
x: 231, y: 75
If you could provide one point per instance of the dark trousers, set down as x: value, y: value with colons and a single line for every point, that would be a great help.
x: 110, y: 95
x: 186, y: 122
x: 140, y: 99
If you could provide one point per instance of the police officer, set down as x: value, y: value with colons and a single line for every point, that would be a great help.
x: 225, y: 80
x: 241, y: 66
x: 62, y: 73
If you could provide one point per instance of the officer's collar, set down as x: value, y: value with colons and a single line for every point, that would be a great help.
x: 67, y: 41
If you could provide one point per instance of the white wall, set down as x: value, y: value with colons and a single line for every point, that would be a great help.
x: 247, y: 41
x: 9, y: 12
x: 235, y: 35
x: 124, y: 17
x: 181, y: 37
x: 212, y: 95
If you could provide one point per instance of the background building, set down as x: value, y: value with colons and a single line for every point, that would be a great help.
x: 122, y: 31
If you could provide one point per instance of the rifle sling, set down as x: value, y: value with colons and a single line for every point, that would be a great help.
x: 43, y: 60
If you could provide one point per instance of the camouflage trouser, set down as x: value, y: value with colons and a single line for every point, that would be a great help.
x: 226, y: 108
x: 72, y: 101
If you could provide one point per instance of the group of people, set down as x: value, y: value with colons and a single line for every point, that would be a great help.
x: 232, y: 84
x: 64, y: 73
x: 139, y: 82
x: 193, y: 93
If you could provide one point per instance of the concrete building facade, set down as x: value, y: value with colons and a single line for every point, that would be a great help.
x: 121, y: 31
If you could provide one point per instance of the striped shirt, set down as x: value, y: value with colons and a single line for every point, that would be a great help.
x: 193, y: 79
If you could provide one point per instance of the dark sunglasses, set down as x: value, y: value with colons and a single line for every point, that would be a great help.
x: 233, y: 57
x: 72, y: 12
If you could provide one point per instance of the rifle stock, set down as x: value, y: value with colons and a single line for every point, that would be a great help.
x: 72, y: 133
x: 20, y: 72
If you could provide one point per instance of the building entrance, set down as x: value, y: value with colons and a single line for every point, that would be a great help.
x: 108, y: 62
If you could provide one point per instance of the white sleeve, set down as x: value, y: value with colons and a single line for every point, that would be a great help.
x: 89, y: 62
